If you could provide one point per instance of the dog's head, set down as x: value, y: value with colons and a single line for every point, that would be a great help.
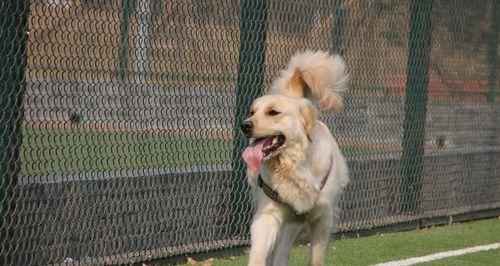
x: 277, y: 123
x: 281, y: 124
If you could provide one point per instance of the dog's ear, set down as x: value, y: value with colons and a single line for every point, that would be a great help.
x: 297, y: 87
x: 308, y: 113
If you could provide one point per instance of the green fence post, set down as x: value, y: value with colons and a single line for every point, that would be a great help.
x: 492, y: 52
x: 250, y: 80
x: 338, y: 27
x: 13, y: 39
x: 128, y: 7
x: 416, y: 102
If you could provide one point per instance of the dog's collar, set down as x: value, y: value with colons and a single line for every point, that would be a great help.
x: 272, y: 194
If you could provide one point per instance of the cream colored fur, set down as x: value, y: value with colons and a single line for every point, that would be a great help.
x: 316, y: 76
x: 309, y: 153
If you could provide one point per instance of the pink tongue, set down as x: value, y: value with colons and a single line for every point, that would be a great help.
x: 253, y: 154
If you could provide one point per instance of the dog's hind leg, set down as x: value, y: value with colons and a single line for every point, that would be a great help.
x: 264, y: 233
x: 320, y: 235
x: 288, y: 235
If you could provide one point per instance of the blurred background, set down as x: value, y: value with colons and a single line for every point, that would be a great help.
x: 120, y: 137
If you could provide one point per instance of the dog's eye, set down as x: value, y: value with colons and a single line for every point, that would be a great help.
x: 273, y: 113
x: 252, y: 113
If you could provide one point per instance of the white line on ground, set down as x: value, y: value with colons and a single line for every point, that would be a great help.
x: 440, y: 255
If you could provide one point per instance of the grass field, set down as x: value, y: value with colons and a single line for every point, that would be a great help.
x: 490, y: 257
x: 395, y: 246
x: 47, y: 151
x: 52, y: 151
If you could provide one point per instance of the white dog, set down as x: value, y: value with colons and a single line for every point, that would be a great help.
x: 295, y: 167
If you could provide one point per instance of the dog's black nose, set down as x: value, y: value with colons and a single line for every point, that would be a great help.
x: 247, y: 127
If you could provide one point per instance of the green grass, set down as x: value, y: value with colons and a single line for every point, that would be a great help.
x: 51, y: 151
x: 46, y: 151
x: 395, y: 246
x: 490, y: 257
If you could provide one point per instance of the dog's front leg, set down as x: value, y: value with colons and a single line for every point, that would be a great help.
x: 320, y: 235
x: 265, y: 231
x: 288, y: 235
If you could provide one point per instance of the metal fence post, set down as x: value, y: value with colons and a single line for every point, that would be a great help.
x: 338, y: 27
x: 250, y: 79
x: 492, y: 52
x: 416, y: 102
x: 13, y: 39
x: 128, y: 7
x: 142, y: 41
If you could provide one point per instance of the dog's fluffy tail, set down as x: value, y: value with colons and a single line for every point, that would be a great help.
x: 314, y: 75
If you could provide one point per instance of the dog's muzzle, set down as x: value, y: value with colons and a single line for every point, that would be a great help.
x: 247, y: 128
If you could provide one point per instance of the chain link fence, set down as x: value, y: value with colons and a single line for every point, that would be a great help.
x: 118, y: 131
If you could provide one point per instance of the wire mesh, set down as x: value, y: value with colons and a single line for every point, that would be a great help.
x: 118, y: 118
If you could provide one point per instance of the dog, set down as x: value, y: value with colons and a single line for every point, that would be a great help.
x: 294, y: 166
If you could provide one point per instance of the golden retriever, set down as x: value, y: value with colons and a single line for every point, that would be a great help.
x: 295, y: 167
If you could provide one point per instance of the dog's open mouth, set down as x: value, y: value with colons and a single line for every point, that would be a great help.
x: 262, y: 149
x: 271, y: 144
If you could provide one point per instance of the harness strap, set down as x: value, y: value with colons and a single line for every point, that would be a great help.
x: 272, y: 194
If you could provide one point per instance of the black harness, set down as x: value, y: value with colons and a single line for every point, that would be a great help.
x: 272, y: 194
